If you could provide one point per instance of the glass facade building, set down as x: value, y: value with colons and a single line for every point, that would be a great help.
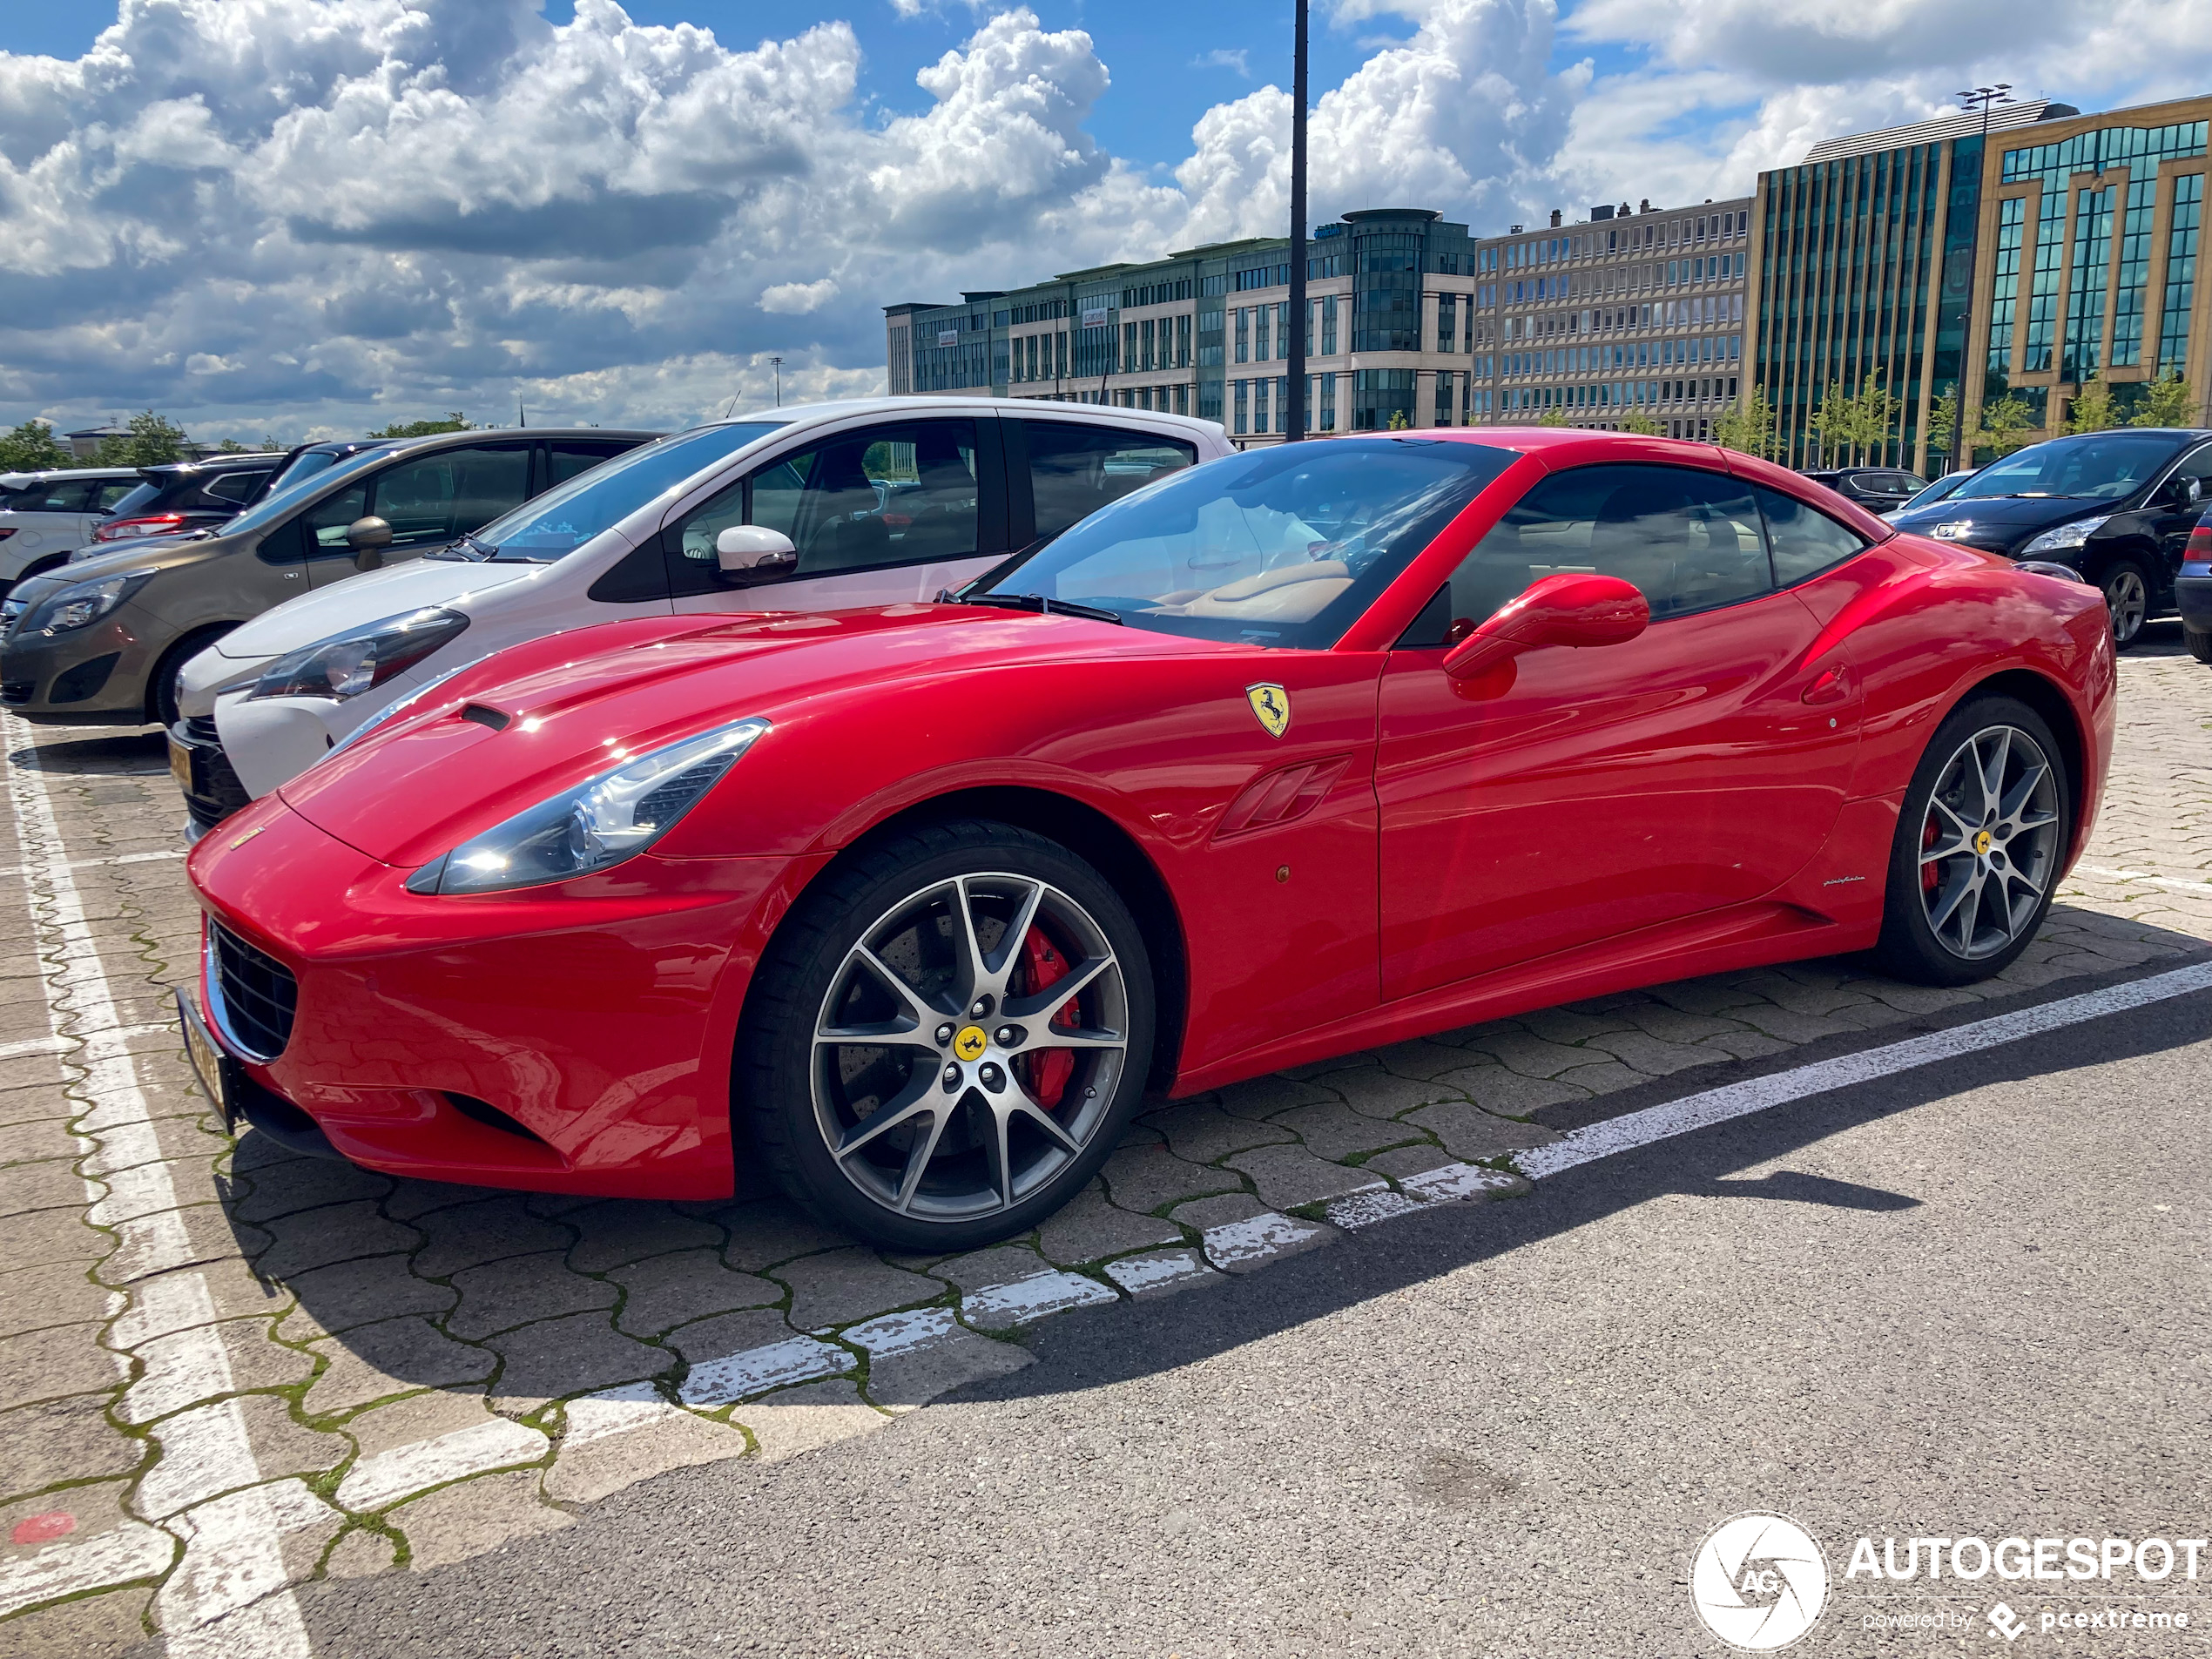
x: 2058, y: 249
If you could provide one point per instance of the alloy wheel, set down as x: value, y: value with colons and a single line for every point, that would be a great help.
x: 1989, y: 842
x: 970, y: 1045
x: 2128, y: 598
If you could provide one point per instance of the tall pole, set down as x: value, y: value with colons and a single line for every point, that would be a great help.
x: 1294, y: 404
x: 777, y: 364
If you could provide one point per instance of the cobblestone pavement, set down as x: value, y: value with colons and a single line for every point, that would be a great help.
x: 224, y: 1370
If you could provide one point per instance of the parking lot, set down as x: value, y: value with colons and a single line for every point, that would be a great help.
x: 226, y: 1372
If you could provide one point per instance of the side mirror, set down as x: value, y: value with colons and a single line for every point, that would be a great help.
x: 369, y: 538
x: 1575, y: 609
x: 2182, y: 490
x: 754, y: 553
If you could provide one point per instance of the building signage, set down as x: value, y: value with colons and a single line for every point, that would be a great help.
x: 1096, y: 317
x: 948, y: 336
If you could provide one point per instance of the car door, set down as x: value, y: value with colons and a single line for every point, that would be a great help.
x: 890, y: 511
x: 428, y: 500
x: 1061, y: 471
x: 2173, y: 513
x: 1576, y: 795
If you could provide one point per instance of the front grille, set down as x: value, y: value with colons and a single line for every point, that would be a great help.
x: 259, y: 996
x: 216, y: 791
x: 16, y: 690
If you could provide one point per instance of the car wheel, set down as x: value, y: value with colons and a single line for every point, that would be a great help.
x: 2199, y: 643
x: 1979, y: 847
x: 2127, y: 597
x: 161, y: 689
x: 947, y: 1037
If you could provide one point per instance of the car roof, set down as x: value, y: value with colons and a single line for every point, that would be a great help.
x: 47, y: 475
x: 477, y: 434
x: 232, y: 462
x: 1033, y: 409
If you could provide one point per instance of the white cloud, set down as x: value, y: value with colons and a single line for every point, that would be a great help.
x: 1222, y: 57
x: 797, y: 298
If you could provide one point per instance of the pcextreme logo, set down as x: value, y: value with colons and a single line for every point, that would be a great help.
x: 1759, y: 1582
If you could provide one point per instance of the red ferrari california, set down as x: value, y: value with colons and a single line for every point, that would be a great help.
x: 1305, y: 749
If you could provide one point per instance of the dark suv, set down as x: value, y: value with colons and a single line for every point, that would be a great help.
x: 186, y: 496
x: 1879, y: 490
x: 2117, y: 506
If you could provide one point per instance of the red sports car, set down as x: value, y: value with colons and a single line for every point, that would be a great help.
x: 1313, y: 747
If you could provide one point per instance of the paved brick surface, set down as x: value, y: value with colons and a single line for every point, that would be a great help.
x: 224, y: 1370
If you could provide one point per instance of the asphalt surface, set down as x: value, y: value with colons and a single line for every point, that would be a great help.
x: 1968, y: 1299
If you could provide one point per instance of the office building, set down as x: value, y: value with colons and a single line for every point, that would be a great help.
x: 1411, y: 321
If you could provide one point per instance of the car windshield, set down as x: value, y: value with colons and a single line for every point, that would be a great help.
x: 1939, y: 491
x: 1282, y: 546
x: 568, y: 516
x: 274, y: 505
x: 305, y: 464
x: 2102, y: 466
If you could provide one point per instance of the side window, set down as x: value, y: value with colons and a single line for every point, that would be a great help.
x: 2198, y: 465
x: 570, y: 459
x: 322, y: 527
x: 884, y: 496
x: 1688, y: 539
x: 430, y: 501
x: 232, y: 488
x: 1075, y: 470
x: 107, y: 495
x: 1805, y: 540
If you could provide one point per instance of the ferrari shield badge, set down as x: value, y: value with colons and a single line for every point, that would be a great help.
x: 1270, y: 707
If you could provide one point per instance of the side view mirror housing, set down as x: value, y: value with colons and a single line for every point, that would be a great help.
x: 2181, y: 490
x: 1573, y: 607
x: 752, y: 553
x: 369, y: 538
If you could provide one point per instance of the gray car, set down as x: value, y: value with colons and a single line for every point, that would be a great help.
x: 100, y: 642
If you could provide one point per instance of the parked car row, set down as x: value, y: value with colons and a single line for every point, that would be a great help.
x: 934, y: 779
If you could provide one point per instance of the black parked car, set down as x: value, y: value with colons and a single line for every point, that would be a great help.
x: 182, y: 496
x: 2117, y: 506
x: 1879, y: 490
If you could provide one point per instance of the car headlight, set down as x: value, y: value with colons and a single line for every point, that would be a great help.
x: 598, y: 823
x: 2061, y: 536
x: 348, y: 665
x: 84, y: 604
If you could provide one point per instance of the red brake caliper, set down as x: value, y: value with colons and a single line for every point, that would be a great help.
x: 1928, y: 840
x: 1044, y: 967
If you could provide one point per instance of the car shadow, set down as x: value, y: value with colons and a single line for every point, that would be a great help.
x: 111, y: 752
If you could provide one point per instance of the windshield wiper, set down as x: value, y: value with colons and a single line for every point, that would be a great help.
x: 465, y: 547
x: 1037, y: 603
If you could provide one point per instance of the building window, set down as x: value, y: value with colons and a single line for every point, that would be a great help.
x: 2181, y: 273
x: 1444, y: 397
x: 1243, y: 407
x: 1259, y: 405
x: 1146, y: 360
x: 2086, y: 300
x: 1448, y: 323
x: 1244, y: 337
x: 1260, y: 315
x: 1182, y: 399
x: 1129, y: 347
x: 1329, y: 327
x: 1329, y: 400
x: 1282, y: 329
x: 1182, y: 341
x: 2043, y: 290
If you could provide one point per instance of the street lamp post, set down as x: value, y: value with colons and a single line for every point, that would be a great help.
x: 1294, y: 400
x: 1983, y: 98
x: 777, y: 364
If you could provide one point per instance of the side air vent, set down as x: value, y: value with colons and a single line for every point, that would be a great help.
x: 483, y: 715
x: 1280, y: 797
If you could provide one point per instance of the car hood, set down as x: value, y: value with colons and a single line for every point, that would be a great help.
x: 367, y: 598
x: 573, y: 702
x: 2004, y: 516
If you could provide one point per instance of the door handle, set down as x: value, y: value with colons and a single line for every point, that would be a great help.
x: 1832, y: 684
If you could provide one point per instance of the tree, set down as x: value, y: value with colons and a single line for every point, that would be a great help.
x: 1875, y: 412
x: 2090, y: 409
x: 1642, y: 425
x: 1398, y: 422
x: 2003, y: 427
x: 2166, y: 403
x: 1749, y: 428
x: 31, y: 448
x: 454, y: 421
x: 150, y: 440
x: 1943, y: 425
x: 1833, y: 423
x: 1552, y: 417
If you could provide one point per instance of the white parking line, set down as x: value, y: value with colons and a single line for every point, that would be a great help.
x: 2146, y: 875
x: 97, y: 864
x: 228, y: 1595
x: 1633, y: 1129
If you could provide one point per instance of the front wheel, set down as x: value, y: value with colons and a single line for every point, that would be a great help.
x: 163, y: 687
x: 2127, y: 597
x: 1979, y: 847
x: 948, y: 1037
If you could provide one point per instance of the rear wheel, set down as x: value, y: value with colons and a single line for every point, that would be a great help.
x: 948, y: 1038
x: 1979, y: 847
x: 2199, y: 643
x: 2127, y: 597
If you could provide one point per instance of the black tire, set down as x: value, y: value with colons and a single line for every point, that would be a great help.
x: 1910, y: 947
x: 2127, y: 598
x: 2199, y: 641
x: 161, y: 685
x: 785, y: 1105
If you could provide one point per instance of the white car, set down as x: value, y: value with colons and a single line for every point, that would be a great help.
x: 45, y: 517
x: 815, y: 508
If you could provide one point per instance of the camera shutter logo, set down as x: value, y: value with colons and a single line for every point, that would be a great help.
x: 1759, y: 1582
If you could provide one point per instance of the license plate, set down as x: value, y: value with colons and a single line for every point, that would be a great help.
x: 219, y: 1076
x: 180, y: 766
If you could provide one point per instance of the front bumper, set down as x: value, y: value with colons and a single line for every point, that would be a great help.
x: 572, y: 1039
x: 92, y: 676
x: 210, y: 786
x: 2193, y: 595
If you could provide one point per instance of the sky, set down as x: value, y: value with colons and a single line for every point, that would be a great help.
x: 307, y: 217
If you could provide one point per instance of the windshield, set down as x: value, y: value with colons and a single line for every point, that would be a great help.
x: 1937, y: 491
x: 1282, y: 546
x: 2102, y: 466
x: 277, y: 502
x: 305, y: 464
x: 568, y: 516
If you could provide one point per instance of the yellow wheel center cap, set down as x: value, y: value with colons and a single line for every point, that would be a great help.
x: 1981, y: 844
x: 970, y: 1042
